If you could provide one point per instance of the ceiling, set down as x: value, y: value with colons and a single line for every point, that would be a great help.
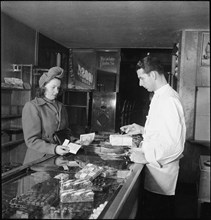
x: 111, y: 24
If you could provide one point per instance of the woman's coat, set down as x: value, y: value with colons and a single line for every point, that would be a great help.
x: 40, y: 120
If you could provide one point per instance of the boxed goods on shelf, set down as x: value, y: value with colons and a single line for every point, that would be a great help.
x: 76, y: 184
x: 69, y: 211
x: 80, y: 195
x: 90, y: 171
x: 33, y: 199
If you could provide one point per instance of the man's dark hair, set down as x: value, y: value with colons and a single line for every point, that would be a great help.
x: 149, y: 64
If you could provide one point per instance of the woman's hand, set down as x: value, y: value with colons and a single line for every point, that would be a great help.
x: 61, y: 150
x: 132, y: 129
x: 59, y: 161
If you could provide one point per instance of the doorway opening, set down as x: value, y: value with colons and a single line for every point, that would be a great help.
x: 134, y: 100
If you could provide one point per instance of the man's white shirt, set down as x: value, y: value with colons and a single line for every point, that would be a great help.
x: 163, y: 141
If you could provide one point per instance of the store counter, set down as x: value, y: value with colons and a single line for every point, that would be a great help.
x: 34, y: 190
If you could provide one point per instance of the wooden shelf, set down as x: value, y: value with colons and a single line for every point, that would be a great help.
x: 203, y: 143
x: 12, y: 130
x: 11, y: 116
x: 106, y: 71
x: 76, y: 106
x: 11, y: 143
x: 77, y: 90
x: 10, y: 88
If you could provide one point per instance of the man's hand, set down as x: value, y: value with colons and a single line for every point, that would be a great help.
x: 132, y: 129
x: 137, y: 156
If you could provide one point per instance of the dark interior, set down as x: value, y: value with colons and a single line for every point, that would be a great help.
x: 129, y: 88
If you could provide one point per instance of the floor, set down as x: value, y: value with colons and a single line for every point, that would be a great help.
x: 186, y: 203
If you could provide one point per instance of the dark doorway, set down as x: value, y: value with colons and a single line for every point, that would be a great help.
x: 133, y: 97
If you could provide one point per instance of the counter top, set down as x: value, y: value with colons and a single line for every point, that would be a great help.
x: 38, y: 178
x: 120, y: 201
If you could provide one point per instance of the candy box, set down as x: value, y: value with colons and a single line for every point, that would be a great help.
x: 90, y: 171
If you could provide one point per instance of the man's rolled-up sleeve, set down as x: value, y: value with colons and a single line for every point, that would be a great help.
x: 164, y: 138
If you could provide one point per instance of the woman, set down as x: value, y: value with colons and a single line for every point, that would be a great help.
x: 44, y: 115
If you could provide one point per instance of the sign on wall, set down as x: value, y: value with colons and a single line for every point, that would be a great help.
x: 205, y: 53
x: 108, y: 61
x: 202, y: 114
x: 84, y: 68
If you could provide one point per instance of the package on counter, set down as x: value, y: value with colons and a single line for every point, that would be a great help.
x: 80, y: 195
x: 120, y: 140
x: 86, y: 139
x: 90, y: 171
x: 76, y: 184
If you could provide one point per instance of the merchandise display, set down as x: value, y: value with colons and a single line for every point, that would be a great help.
x: 75, y: 184
x: 79, y: 195
x: 101, y: 184
x: 47, y: 191
x: 98, y: 210
x: 90, y: 171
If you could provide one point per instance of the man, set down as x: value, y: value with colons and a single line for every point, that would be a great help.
x: 163, y: 140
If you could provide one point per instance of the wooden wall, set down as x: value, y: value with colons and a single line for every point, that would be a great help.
x: 190, y: 76
x: 17, y: 44
x: 17, y: 47
x: 189, y: 164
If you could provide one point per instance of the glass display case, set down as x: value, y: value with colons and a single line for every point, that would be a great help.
x: 36, y: 190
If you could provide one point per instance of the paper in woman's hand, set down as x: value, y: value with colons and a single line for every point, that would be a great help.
x: 72, y: 147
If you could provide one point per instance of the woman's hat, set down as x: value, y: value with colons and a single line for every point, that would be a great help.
x: 54, y: 72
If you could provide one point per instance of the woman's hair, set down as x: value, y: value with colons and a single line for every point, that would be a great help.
x: 149, y: 64
x: 40, y: 91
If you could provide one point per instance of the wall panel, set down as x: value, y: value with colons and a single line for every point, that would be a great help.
x: 17, y: 44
